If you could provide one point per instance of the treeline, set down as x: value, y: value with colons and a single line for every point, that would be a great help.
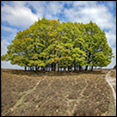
x: 49, y: 45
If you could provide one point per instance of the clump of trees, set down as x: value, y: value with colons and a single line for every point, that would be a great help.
x: 52, y: 46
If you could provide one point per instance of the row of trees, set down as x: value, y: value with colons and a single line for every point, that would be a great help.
x: 52, y: 46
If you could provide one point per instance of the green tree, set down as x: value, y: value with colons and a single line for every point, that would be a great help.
x: 51, y: 45
x: 96, y: 46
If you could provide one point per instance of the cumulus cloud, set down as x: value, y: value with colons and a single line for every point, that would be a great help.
x: 113, y: 63
x: 18, y: 15
x: 4, y: 45
x: 55, y: 7
x: 84, y: 3
x: 48, y: 9
x: 8, y: 33
x: 8, y: 29
x: 111, y: 37
x: 90, y: 11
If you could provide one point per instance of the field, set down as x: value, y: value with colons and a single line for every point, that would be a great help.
x: 26, y: 93
x: 113, y: 74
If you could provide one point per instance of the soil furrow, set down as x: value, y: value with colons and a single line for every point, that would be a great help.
x: 20, y: 101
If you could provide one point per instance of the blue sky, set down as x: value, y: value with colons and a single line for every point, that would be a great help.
x: 19, y: 15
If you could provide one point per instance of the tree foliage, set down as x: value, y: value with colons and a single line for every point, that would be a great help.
x: 51, y: 45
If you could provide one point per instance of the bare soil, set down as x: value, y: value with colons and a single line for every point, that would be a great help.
x: 26, y: 93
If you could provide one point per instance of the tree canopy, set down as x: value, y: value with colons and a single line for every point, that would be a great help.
x: 50, y: 45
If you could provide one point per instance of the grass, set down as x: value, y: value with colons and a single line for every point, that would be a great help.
x: 27, y: 93
x: 114, y: 87
x: 113, y: 74
x: 112, y: 109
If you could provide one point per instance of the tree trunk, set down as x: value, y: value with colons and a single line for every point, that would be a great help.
x: 92, y: 68
x: 80, y: 68
x: 58, y: 66
x: 58, y: 69
x: 44, y: 69
x: 74, y: 67
x: 30, y: 68
x: 69, y: 68
x: 54, y: 66
x: 86, y: 68
x: 49, y: 67
x: 33, y: 68
x: 41, y: 68
x: 25, y: 68
x: 64, y: 69
x: 36, y: 68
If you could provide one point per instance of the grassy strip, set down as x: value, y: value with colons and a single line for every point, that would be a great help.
x: 113, y: 74
x: 112, y: 109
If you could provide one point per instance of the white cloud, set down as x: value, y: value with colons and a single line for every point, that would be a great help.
x: 9, y: 29
x: 10, y: 33
x: 18, y: 15
x: 83, y: 3
x: 90, y: 11
x: 111, y: 37
x: 113, y: 63
x: 4, y: 45
x: 55, y: 7
x: 111, y: 5
x: 48, y: 9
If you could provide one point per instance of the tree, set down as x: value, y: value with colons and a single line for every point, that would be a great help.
x: 97, y: 49
x: 51, y: 45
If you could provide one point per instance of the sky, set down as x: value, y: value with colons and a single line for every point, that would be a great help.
x: 19, y: 15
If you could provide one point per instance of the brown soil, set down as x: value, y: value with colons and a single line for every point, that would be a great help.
x: 27, y: 93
